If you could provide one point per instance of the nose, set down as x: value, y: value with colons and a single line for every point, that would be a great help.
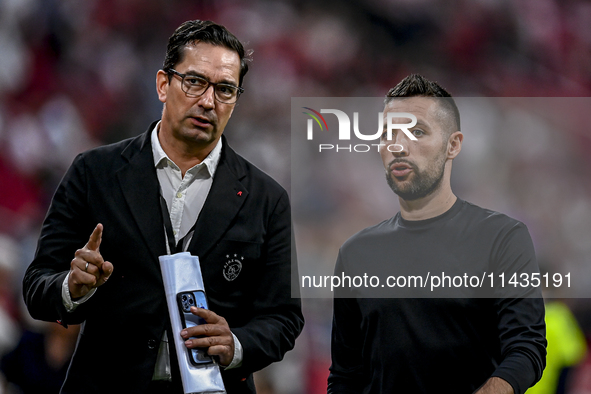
x: 207, y: 99
x: 398, y: 146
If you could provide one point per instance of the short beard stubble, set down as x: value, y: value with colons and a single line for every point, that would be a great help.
x: 422, y: 184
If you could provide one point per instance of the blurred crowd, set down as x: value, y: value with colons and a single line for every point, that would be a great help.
x: 78, y: 74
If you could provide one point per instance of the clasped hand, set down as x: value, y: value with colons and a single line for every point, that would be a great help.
x: 215, y: 335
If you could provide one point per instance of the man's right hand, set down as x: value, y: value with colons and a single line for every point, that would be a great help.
x: 88, y: 269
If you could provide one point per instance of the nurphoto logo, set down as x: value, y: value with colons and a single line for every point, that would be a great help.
x: 344, y: 132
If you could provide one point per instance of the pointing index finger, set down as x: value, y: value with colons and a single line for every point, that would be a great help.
x: 95, y: 238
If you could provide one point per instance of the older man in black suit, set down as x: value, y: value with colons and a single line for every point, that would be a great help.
x: 181, y: 180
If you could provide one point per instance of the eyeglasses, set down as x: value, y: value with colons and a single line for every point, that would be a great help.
x: 195, y: 86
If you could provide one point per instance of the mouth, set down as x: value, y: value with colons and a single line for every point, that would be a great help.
x: 201, y: 121
x: 400, y: 169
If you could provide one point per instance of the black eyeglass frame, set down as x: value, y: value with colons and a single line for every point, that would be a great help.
x: 239, y: 89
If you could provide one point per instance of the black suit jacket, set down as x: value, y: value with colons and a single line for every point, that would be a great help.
x: 246, y: 216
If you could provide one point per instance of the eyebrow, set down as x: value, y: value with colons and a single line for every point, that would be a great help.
x: 419, y: 124
x: 198, y: 74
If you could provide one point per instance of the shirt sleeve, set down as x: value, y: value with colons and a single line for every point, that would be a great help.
x: 67, y: 298
x: 521, y: 325
x: 238, y: 354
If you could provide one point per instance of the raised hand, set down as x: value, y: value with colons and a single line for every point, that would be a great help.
x: 88, y: 269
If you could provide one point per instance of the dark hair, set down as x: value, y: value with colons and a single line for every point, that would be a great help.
x: 209, y: 32
x: 416, y: 85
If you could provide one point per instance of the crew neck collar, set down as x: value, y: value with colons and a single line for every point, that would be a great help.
x: 455, y: 208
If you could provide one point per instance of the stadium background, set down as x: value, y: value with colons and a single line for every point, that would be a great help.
x: 74, y: 75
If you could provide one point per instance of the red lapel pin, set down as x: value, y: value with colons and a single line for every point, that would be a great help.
x: 239, y: 193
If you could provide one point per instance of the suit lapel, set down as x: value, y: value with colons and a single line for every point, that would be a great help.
x: 225, y: 198
x: 139, y: 183
x: 141, y: 189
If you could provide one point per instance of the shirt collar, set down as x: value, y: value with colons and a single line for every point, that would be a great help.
x: 211, y: 161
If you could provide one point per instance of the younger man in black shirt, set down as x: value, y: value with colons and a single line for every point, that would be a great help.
x: 491, y: 343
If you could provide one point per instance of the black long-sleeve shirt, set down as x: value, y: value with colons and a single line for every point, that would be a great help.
x: 428, y: 345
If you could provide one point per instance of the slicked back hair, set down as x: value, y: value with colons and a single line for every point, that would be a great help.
x: 191, y: 32
x: 416, y: 85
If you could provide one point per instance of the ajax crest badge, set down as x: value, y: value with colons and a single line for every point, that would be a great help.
x: 232, y: 267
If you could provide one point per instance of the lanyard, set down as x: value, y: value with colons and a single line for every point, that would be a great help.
x: 178, y: 247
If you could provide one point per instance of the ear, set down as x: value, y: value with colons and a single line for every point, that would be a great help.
x: 454, y: 144
x: 162, y: 85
